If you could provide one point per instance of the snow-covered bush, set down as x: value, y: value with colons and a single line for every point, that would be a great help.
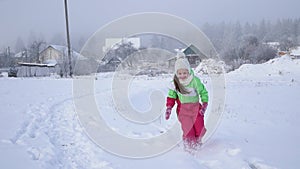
x: 211, y: 66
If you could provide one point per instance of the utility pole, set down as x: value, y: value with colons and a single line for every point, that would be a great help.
x: 68, y: 38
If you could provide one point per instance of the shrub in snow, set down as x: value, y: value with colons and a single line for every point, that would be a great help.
x: 211, y: 66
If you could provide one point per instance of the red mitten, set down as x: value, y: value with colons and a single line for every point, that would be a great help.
x: 168, y: 113
x: 203, y: 108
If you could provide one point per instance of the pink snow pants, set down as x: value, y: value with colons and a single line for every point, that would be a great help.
x: 192, y: 122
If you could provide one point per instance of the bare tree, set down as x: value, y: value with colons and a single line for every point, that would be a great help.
x: 286, y: 43
x: 34, y: 51
x: 6, y: 58
x: 262, y: 54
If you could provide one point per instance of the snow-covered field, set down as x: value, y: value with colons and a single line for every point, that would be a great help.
x: 39, y: 127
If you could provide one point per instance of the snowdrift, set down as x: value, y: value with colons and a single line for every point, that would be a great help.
x: 284, y: 67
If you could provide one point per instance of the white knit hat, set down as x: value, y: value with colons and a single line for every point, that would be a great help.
x: 181, y: 62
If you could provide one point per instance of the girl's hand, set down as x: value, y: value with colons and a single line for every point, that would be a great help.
x: 203, y: 108
x: 168, y: 113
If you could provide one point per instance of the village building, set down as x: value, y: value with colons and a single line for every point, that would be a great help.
x: 53, y: 60
x: 193, y: 54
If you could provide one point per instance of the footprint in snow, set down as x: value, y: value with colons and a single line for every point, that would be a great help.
x: 233, y: 151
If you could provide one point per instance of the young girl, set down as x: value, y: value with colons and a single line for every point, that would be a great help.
x: 185, y: 91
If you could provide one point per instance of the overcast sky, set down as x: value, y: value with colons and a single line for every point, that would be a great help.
x: 46, y: 17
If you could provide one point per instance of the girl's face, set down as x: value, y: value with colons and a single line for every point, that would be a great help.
x: 182, y: 74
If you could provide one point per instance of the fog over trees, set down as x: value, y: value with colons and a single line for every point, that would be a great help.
x: 237, y: 43
x: 250, y: 42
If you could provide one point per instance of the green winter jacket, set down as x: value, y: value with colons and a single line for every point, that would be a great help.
x: 196, y: 89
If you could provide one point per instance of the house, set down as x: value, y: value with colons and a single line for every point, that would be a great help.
x: 282, y: 53
x: 53, y: 60
x: 111, y: 65
x: 117, y: 50
x: 193, y: 55
x: 58, y: 54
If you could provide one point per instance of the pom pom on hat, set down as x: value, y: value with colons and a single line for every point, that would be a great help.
x: 181, y: 62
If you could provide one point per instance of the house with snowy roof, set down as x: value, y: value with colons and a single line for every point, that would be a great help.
x: 110, y: 65
x: 58, y: 54
x: 54, y: 60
